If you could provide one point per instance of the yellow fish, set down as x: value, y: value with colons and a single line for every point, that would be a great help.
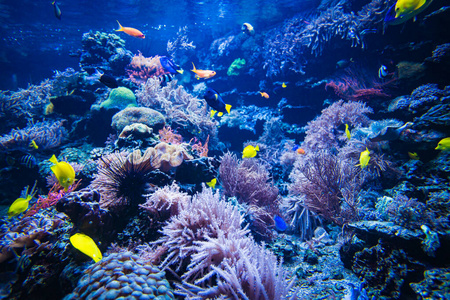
x: 443, y: 144
x: 19, y: 206
x: 33, y: 145
x: 86, y: 245
x: 364, y: 158
x: 347, y: 132
x: 413, y: 155
x: 212, y: 183
x: 250, y: 151
x: 410, y: 8
x: 63, y: 171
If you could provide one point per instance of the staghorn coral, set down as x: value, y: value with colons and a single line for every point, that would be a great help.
x: 121, y: 275
x: 250, y: 182
x: 178, y: 106
x: 46, y: 134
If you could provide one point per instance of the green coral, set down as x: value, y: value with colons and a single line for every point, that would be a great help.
x: 121, y: 98
x: 236, y: 66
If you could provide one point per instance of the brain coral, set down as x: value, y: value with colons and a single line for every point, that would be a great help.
x: 143, y: 115
x: 122, y: 276
x: 120, y: 97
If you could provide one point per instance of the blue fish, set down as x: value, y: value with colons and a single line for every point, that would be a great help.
x: 216, y: 102
x: 280, y: 224
x: 169, y: 65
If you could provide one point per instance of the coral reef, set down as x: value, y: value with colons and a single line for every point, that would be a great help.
x: 45, y: 134
x: 105, y: 51
x: 142, y: 68
x: 321, y: 133
x: 250, y: 182
x: 179, y: 107
x: 120, y: 98
x: 122, y: 275
x: 235, y: 68
x: 180, y: 47
x: 143, y: 115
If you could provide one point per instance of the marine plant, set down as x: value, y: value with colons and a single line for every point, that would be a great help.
x: 120, y: 98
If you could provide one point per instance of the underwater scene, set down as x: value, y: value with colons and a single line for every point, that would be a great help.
x: 225, y: 149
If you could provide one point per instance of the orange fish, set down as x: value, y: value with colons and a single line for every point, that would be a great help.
x: 131, y: 31
x: 301, y: 151
x: 264, y: 94
x: 203, y: 73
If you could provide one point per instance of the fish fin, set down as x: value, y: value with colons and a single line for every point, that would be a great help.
x: 220, y: 114
x: 181, y: 71
x: 213, y: 112
x: 120, y: 26
x: 217, y: 96
x: 53, y: 159
x: 228, y: 107
x: 53, y: 3
x: 257, y: 148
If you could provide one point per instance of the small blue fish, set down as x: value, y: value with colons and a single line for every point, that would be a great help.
x: 383, y: 72
x: 280, y: 224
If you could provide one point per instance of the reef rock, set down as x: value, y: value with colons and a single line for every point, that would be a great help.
x: 143, y: 115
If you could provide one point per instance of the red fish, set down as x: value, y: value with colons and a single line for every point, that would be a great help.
x: 131, y: 31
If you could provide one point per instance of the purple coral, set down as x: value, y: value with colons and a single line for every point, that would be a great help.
x: 321, y: 133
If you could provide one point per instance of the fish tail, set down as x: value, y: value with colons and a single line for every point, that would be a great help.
x: 194, y: 68
x: 53, y: 159
x: 120, y: 26
x: 257, y: 148
x: 228, y: 107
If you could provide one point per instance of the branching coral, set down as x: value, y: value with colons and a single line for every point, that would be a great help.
x: 45, y: 134
x: 322, y: 133
x: 142, y: 68
x: 180, y: 44
x: 284, y: 47
x: 178, y: 106
x: 250, y: 182
x: 327, y: 183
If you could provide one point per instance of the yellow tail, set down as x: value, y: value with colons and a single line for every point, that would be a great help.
x: 120, y: 26
x: 194, y: 68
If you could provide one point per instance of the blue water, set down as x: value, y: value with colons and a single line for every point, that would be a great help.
x: 34, y: 42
